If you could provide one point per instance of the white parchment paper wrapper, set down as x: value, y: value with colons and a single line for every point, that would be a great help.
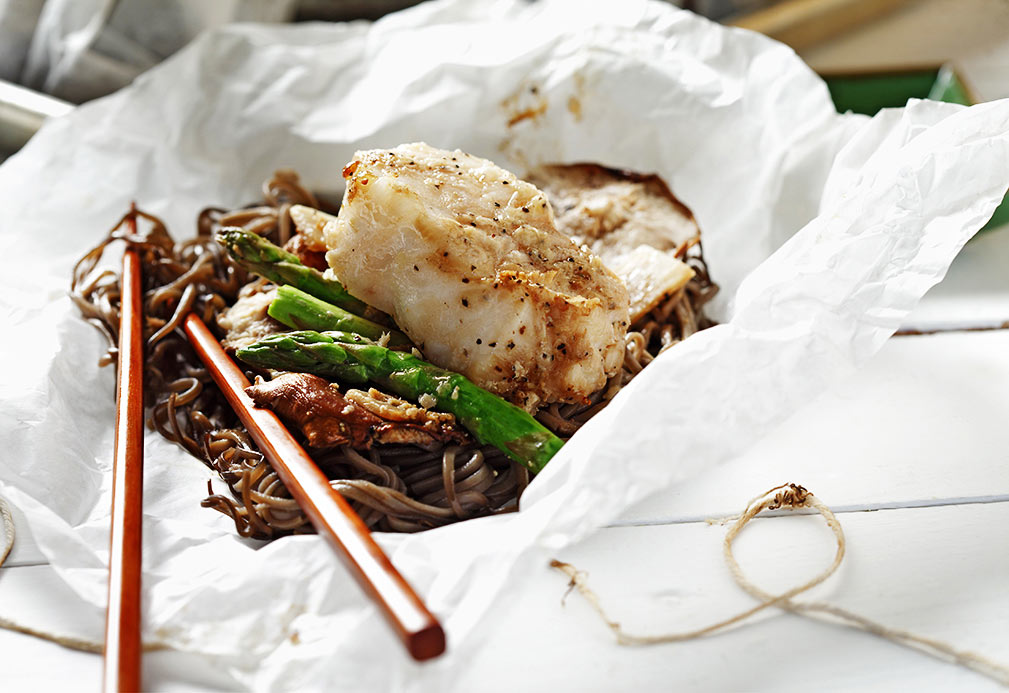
x: 873, y: 213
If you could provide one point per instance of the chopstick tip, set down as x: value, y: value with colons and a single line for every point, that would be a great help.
x: 427, y: 643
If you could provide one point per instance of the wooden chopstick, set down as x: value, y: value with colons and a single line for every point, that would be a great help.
x: 121, y: 666
x: 328, y: 512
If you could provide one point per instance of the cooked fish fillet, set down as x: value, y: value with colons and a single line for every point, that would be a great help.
x: 247, y: 321
x: 467, y: 260
x: 616, y: 215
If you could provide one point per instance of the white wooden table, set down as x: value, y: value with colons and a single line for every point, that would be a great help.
x: 912, y: 452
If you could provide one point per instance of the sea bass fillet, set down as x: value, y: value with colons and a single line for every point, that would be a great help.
x: 468, y: 261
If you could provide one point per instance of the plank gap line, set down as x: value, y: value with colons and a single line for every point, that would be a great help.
x: 838, y: 509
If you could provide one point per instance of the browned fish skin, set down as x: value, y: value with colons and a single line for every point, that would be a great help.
x: 467, y: 259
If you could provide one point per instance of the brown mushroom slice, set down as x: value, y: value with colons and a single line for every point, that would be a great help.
x: 328, y: 418
x: 299, y: 246
x: 318, y: 408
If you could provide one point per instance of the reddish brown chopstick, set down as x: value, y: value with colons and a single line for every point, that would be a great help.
x: 121, y: 667
x: 329, y: 513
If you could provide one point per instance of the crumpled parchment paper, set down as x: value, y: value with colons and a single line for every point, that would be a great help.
x: 823, y: 230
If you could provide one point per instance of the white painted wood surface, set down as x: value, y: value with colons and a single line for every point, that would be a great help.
x: 939, y: 571
x: 25, y: 552
x: 976, y: 289
x: 923, y: 423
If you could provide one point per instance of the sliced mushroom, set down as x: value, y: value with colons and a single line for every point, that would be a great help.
x: 301, y: 247
x: 328, y: 418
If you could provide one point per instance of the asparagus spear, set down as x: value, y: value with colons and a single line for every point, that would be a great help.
x: 355, y: 359
x: 261, y: 257
x: 301, y: 311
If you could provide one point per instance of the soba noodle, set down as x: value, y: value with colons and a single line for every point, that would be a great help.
x: 393, y: 487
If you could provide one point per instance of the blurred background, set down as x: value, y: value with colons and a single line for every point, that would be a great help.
x: 873, y: 53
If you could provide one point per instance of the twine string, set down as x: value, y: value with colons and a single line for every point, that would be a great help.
x: 791, y: 496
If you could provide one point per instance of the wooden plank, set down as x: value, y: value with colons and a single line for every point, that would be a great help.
x: 26, y: 551
x: 975, y: 291
x: 36, y: 597
x: 938, y: 571
x: 925, y: 31
x: 31, y: 664
x: 805, y: 23
x: 922, y: 423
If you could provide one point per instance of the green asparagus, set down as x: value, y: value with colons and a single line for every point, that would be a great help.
x: 355, y: 359
x: 301, y: 311
x: 262, y: 257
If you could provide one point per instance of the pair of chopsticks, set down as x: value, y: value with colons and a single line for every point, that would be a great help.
x: 328, y: 512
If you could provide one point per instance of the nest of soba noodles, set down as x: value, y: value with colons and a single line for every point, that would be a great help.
x: 393, y: 487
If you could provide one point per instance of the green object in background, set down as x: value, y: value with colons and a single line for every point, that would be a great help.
x: 950, y: 88
x: 868, y: 92
x: 1000, y: 217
